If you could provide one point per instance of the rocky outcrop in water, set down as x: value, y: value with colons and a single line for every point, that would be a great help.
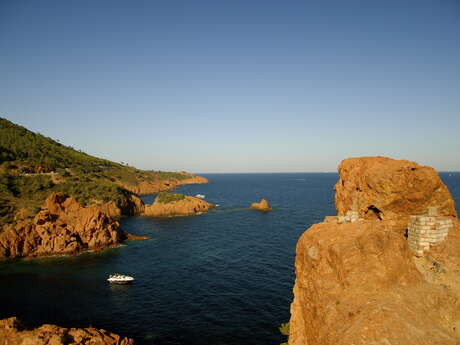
x: 61, y: 227
x: 261, y: 206
x: 358, y: 282
x: 179, y: 205
x: 13, y: 332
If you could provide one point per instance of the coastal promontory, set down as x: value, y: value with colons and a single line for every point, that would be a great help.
x: 386, y: 269
x: 173, y: 204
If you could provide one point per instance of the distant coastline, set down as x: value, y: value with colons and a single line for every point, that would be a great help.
x: 44, y: 183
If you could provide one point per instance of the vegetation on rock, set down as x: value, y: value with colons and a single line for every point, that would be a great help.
x: 176, y: 205
x: 165, y: 198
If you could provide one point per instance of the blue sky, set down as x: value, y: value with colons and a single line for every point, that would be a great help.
x: 236, y: 86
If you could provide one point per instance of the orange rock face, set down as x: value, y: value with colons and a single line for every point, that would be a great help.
x: 384, y: 188
x: 12, y: 332
x: 261, y: 206
x: 359, y: 283
x: 185, y: 207
x: 62, y: 227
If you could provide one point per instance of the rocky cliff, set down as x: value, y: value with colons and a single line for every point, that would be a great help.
x: 13, y: 332
x: 170, y: 205
x: 359, y: 283
x: 61, y: 227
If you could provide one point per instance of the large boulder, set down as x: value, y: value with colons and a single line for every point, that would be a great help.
x: 385, y: 188
x: 13, y: 332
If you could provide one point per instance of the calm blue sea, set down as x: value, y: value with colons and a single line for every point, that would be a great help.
x: 225, y: 277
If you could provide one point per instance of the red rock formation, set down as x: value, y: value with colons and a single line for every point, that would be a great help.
x: 261, y: 206
x: 185, y: 207
x: 62, y: 227
x: 12, y: 332
x: 385, y: 188
x: 358, y: 283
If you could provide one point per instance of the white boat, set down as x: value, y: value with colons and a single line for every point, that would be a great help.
x: 120, y: 278
x: 200, y: 196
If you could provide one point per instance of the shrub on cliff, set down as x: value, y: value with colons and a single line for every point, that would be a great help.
x: 20, y: 192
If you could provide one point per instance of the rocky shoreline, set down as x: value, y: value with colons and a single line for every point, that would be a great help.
x: 61, y: 227
x: 64, y: 227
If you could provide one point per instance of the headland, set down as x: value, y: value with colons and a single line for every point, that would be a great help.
x: 386, y: 269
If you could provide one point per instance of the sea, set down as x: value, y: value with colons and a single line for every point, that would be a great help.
x: 221, y: 278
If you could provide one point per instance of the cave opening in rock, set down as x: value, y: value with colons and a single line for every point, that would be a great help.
x: 373, y: 212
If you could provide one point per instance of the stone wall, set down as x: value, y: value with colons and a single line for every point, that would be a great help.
x: 350, y: 217
x: 427, y: 230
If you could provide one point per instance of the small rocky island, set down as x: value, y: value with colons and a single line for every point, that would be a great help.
x: 173, y: 205
x: 263, y: 206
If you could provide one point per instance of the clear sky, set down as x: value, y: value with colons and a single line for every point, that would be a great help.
x: 236, y: 86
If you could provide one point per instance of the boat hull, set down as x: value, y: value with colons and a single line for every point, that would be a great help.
x: 113, y: 281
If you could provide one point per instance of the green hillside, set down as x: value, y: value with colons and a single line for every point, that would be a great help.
x: 36, y: 153
x: 32, y: 166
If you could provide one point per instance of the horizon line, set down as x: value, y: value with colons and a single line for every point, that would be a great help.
x: 292, y: 172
